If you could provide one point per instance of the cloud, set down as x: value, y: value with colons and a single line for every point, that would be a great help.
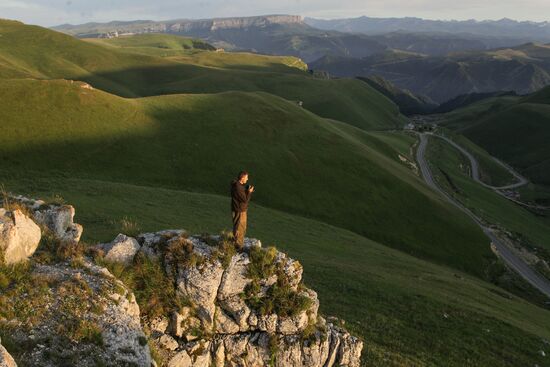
x: 51, y: 12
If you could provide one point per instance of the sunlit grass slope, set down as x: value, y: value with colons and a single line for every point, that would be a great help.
x: 301, y: 163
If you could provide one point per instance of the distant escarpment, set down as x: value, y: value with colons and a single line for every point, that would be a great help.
x: 164, y: 298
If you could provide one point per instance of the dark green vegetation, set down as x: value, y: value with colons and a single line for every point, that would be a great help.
x: 491, y: 172
x: 408, y: 103
x: 165, y: 161
x: 484, y: 202
x: 514, y: 129
x: 522, y: 69
x: 467, y: 99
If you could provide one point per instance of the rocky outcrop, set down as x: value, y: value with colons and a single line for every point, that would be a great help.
x: 217, y: 305
x: 5, y: 358
x: 245, y: 308
x: 122, y: 249
x: 19, y: 236
x: 59, y: 219
x: 83, y: 315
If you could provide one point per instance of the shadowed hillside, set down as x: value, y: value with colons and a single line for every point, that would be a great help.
x: 514, y: 129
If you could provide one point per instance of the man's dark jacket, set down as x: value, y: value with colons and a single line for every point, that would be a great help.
x: 239, y: 197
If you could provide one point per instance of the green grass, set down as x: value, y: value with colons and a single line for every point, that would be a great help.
x: 408, y: 311
x: 155, y: 44
x: 514, y: 129
x: 490, y: 171
x: 485, y: 202
x: 35, y: 52
x: 401, y: 142
x: 300, y: 163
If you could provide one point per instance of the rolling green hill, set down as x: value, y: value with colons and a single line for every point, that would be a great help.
x: 514, y: 129
x: 36, y: 52
x: 154, y: 43
x: 302, y: 164
x: 408, y: 103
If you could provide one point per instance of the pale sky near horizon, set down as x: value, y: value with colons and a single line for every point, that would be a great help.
x: 54, y: 12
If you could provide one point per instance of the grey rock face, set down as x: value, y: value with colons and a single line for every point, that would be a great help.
x: 19, y: 236
x: 231, y: 331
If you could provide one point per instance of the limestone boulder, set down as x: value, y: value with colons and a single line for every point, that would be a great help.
x: 60, y: 220
x: 121, y: 250
x: 19, y: 236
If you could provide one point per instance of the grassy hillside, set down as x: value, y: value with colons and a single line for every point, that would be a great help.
x: 452, y: 172
x: 491, y: 172
x: 516, y: 130
x: 408, y: 103
x: 154, y: 44
x: 301, y: 163
x: 409, y: 312
x: 35, y: 52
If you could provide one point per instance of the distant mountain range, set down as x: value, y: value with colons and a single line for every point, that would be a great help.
x: 522, y: 69
x: 291, y: 35
x: 437, y: 59
x: 271, y: 35
x: 504, y: 28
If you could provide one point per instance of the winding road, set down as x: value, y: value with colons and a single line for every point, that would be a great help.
x: 476, y: 176
x: 505, y: 253
x: 475, y: 167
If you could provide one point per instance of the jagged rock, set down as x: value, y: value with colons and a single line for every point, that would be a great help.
x: 159, y: 325
x: 175, y: 327
x: 235, y: 334
x: 6, y: 359
x: 235, y: 277
x: 122, y: 249
x: 167, y: 342
x: 200, y: 285
x: 225, y: 324
x: 181, y: 359
x: 57, y: 218
x: 104, y: 311
x: 19, y: 236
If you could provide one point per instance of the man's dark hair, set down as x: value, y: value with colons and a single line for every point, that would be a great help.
x: 242, y: 174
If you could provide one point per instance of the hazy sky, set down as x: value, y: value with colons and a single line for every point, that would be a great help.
x: 53, y: 12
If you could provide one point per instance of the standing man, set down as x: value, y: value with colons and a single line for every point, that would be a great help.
x: 240, y: 196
